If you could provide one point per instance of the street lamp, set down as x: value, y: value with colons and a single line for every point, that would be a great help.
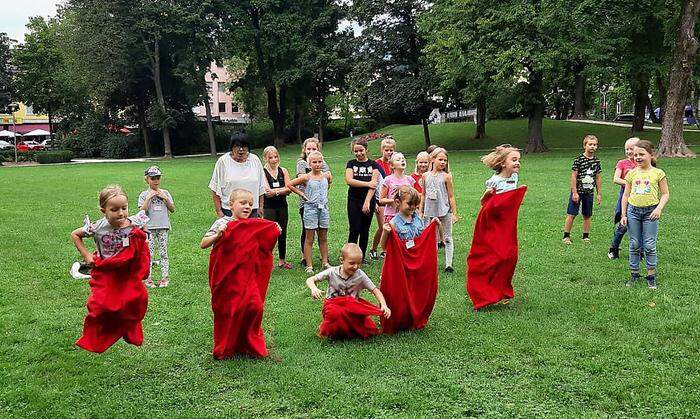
x: 13, y: 107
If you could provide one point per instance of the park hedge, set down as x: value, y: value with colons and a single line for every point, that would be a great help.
x: 55, y: 156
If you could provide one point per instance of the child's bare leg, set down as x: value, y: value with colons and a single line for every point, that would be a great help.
x: 568, y: 223
x: 586, y: 225
x: 323, y: 244
x: 308, y: 246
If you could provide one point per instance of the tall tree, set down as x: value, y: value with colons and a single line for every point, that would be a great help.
x: 5, y: 70
x: 682, y: 64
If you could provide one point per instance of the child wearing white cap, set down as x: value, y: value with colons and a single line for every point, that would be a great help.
x: 158, y: 204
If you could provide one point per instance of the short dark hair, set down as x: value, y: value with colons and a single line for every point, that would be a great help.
x: 237, y: 141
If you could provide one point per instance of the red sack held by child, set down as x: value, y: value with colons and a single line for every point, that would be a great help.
x: 410, y: 281
x: 348, y: 318
x: 240, y: 265
x: 118, y: 299
x: 494, y: 251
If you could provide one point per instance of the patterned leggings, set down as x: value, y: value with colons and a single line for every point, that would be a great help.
x: 159, y: 237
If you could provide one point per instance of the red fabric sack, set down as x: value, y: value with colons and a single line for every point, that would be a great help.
x: 410, y: 281
x: 118, y: 298
x: 494, y: 251
x: 240, y: 265
x: 348, y: 318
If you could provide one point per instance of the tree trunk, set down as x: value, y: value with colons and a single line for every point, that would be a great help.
x: 161, y: 100
x: 50, y: 114
x: 426, y: 132
x: 140, y: 109
x: 281, y: 116
x: 663, y: 91
x: 298, y: 119
x: 535, y: 139
x: 480, y: 117
x: 641, y: 97
x: 210, y: 127
x: 579, y: 92
x: 684, y: 52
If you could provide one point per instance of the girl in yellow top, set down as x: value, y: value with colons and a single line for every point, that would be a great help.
x: 646, y: 195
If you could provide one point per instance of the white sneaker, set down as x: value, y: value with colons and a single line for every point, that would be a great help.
x: 75, y: 271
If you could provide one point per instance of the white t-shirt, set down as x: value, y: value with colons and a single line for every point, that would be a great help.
x: 229, y: 175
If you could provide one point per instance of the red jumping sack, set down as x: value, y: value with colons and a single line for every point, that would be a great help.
x: 494, y: 251
x: 348, y: 318
x: 240, y: 265
x: 118, y: 298
x: 410, y: 281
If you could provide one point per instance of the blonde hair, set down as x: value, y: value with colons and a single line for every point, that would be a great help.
x: 407, y: 193
x: 498, y: 156
x: 350, y: 248
x: 386, y: 142
x: 239, y: 193
x: 589, y: 137
x: 267, y: 151
x: 421, y: 155
x: 633, y: 141
x: 649, y: 147
x: 109, y: 192
x: 396, y: 156
x: 303, y: 155
x: 314, y: 154
x: 434, y: 154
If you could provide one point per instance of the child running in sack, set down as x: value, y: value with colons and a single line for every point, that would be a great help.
x: 392, y: 183
x: 621, y: 169
x: 646, y: 195
x: 505, y: 161
x: 585, y: 179
x: 118, y: 298
x: 316, y: 214
x: 276, y: 200
x: 439, y: 200
x: 157, y: 203
x: 345, y: 314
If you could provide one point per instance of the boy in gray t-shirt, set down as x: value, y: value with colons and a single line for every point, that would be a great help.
x: 347, y: 279
x: 158, y: 204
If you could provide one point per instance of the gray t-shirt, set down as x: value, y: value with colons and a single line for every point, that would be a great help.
x: 157, y: 210
x: 214, y: 229
x: 303, y: 168
x: 501, y: 184
x: 340, y: 287
x: 110, y: 240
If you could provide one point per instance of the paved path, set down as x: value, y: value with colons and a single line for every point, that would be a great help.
x: 622, y: 124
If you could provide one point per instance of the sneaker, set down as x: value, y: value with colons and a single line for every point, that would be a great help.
x: 149, y: 283
x: 613, y: 253
x: 303, y: 262
x: 651, y: 282
x: 449, y: 269
x: 327, y: 266
x: 632, y: 280
x: 309, y: 269
x: 163, y: 283
x: 382, y: 255
x: 586, y: 239
x: 80, y: 271
x: 286, y: 265
x: 441, y: 245
x: 566, y: 240
x: 373, y: 255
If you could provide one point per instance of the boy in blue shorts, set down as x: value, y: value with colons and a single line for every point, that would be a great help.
x: 585, y: 180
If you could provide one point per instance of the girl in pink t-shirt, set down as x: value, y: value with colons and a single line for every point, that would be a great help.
x: 621, y: 169
x: 392, y: 183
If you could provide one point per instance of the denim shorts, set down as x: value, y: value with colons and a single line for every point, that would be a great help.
x: 585, y: 202
x: 315, y: 217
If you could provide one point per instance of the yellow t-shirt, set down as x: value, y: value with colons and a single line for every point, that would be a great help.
x: 644, y: 186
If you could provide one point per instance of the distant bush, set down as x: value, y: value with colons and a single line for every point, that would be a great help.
x: 56, y: 156
x: 9, y: 155
x: 114, y: 146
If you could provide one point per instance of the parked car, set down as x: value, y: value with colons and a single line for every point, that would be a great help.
x: 624, y: 117
x: 4, y: 145
x: 48, y: 144
x: 34, y: 146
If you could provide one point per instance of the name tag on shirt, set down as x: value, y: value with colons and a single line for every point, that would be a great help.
x: 125, y: 242
x: 410, y: 244
x: 275, y: 184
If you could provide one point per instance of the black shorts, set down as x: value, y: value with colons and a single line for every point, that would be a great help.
x: 585, y: 202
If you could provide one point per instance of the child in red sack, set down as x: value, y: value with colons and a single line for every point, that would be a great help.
x: 240, y: 266
x: 118, y: 298
x: 345, y: 314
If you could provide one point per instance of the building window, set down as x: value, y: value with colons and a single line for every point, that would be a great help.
x: 235, y: 107
x: 222, y: 106
x: 222, y: 88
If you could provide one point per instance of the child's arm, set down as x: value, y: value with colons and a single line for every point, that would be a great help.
x: 147, y: 200
x: 168, y: 200
x: 298, y: 181
x: 370, y: 192
x: 316, y: 293
x: 623, y: 208
x: 283, y: 190
x: 663, y: 188
x: 208, y: 241
x: 451, y: 197
x: 384, y: 199
x: 382, y: 302
x: 386, y: 230
x: 572, y: 186
x: 77, y: 237
x: 617, y: 177
x: 359, y: 183
x: 487, y: 192
x: 598, y: 185
x: 329, y: 176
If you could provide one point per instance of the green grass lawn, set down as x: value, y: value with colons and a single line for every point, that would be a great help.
x: 574, y: 342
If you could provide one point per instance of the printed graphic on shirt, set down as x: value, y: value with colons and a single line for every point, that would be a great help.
x: 641, y: 187
x: 586, y: 171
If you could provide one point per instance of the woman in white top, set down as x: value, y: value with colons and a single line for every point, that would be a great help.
x: 238, y: 169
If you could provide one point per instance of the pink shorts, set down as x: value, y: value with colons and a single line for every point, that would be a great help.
x: 388, y: 218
